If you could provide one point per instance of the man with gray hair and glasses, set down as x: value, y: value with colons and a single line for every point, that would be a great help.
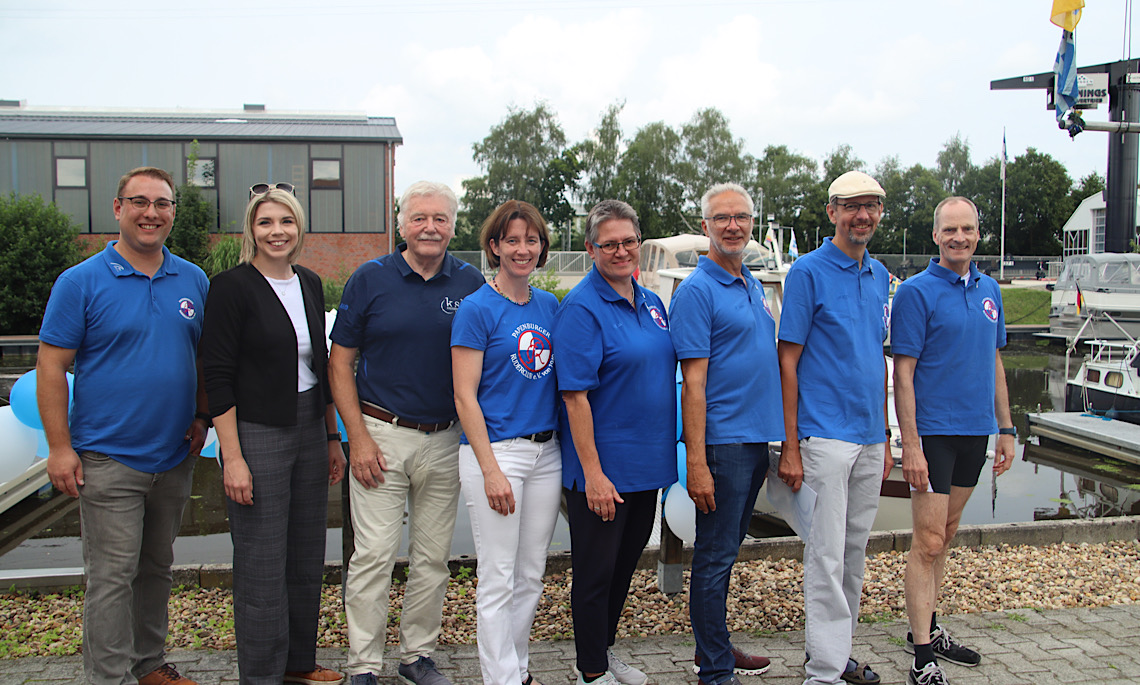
x: 399, y: 411
x: 834, y: 377
x: 725, y: 336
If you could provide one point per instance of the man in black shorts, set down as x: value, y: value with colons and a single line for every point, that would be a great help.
x: 947, y: 330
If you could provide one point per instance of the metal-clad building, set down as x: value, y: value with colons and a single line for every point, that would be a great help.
x: 340, y: 164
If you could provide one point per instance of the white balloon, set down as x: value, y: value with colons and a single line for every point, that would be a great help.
x: 681, y: 513
x: 17, y: 445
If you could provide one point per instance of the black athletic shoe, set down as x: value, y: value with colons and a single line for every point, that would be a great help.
x: 931, y: 674
x: 946, y: 648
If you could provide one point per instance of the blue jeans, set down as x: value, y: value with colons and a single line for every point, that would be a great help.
x: 738, y: 471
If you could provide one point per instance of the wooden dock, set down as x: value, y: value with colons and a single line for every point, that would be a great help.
x: 1109, y: 437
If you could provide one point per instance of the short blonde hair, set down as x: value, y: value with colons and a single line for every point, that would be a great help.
x: 281, y: 197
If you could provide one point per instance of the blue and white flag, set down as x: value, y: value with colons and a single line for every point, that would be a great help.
x: 1065, y: 76
x: 793, y: 249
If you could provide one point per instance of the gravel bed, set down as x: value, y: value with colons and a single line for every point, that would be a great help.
x: 765, y: 596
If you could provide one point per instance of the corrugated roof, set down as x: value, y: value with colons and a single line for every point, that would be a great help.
x: 231, y: 125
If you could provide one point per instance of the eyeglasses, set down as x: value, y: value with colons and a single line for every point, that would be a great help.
x: 437, y: 220
x: 854, y: 207
x: 263, y: 188
x: 630, y: 244
x: 723, y: 220
x: 141, y: 203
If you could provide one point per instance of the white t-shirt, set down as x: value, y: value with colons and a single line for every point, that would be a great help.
x: 289, y: 292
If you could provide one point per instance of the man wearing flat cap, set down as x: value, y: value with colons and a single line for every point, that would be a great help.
x: 833, y: 377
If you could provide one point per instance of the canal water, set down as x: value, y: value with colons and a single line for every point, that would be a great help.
x: 1042, y: 484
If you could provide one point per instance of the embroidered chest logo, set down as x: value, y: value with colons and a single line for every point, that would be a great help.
x: 886, y: 316
x: 990, y: 309
x: 534, y: 357
x: 658, y: 317
x: 186, y: 308
x: 448, y: 305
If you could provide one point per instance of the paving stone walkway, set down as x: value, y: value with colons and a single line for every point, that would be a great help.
x: 1064, y: 646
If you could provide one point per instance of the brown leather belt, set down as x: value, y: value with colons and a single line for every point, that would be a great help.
x: 378, y: 413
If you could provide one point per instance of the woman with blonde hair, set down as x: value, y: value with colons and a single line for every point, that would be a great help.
x: 264, y: 356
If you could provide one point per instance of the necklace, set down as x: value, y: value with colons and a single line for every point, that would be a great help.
x: 529, y: 292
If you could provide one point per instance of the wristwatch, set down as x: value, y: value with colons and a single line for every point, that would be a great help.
x: 1007, y: 431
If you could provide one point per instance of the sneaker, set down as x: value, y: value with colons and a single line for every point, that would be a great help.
x: 732, y: 680
x: 422, y: 671
x: 606, y: 678
x: 946, y: 648
x: 931, y: 674
x: 165, y: 674
x: 748, y: 664
x: 364, y: 679
x: 318, y: 676
x: 623, y: 672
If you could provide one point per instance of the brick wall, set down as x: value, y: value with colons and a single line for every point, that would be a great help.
x: 331, y: 255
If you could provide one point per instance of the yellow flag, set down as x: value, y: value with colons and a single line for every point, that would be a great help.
x: 1067, y: 13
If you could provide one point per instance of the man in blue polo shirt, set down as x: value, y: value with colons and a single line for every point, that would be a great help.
x: 130, y: 318
x: 399, y: 411
x: 832, y: 327
x: 724, y: 335
x: 947, y: 330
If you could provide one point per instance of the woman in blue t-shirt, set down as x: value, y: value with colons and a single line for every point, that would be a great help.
x: 264, y: 358
x: 510, y: 465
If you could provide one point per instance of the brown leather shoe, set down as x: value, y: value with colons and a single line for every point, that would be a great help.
x: 318, y: 676
x: 165, y: 674
x: 748, y: 664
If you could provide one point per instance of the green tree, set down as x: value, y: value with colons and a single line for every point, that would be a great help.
x: 39, y: 243
x: 954, y: 164
x: 522, y: 159
x: 600, y: 156
x: 647, y: 179
x: 1089, y: 185
x: 1038, y: 203
x: 710, y: 155
x: 784, y: 185
x: 912, y: 195
x: 982, y: 184
x: 194, y: 217
x: 838, y: 162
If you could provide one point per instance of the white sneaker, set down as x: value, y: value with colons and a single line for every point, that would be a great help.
x: 606, y: 678
x: 623, y: 672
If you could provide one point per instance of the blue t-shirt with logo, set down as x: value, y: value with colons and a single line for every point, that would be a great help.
x: 401, y: 324
x: 135, y: 339
x: 622, y: 356
x: 717, y: 316
x: 954, y: 329
x: 839, y: 311
x: 518, y: 392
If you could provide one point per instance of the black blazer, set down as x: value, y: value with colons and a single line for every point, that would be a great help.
x: 249, y: 348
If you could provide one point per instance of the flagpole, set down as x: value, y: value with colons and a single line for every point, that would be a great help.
x: 1001, y: 268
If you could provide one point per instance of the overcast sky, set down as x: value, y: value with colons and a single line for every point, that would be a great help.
x: 888, y: 77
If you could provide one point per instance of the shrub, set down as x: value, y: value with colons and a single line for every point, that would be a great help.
x: 39, y: 243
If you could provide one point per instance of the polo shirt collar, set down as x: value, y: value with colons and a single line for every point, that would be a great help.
x: 606, y: 291
x: 840, y: 258
x: 718, y: 272
x: 119, y: 266
x: 405, y: 269
x: 952, y: 277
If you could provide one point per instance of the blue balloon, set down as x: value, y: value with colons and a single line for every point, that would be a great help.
x: 23, y: 401
x: 340, y: 427
x: 682, y: 469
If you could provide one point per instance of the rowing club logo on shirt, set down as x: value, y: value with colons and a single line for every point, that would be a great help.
x: 449, y: 306
x: 990, y: 308
x: 658, y: 317
x: 534, y: 358
x: 186, y: 308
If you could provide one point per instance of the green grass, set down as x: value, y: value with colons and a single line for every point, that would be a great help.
x: 1025, y: 306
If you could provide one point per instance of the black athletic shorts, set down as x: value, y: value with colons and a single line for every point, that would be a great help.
x: 954, y: 460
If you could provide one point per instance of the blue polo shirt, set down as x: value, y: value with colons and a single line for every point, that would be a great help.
x: 726, y: 319
x: 401, y: 324
x: 839, y: 312
x: 518, y: 391
x: 135, y: 339
x: 953, y: 329
x: 622, y: 356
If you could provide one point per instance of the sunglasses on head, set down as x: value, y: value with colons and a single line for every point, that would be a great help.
x: 263, y: 188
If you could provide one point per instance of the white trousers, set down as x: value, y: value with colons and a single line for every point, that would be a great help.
x: 511, y: 550
x: 847, y: 479
x: 423, y: 474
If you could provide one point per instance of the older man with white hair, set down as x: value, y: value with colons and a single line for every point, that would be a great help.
x: 403, y: 434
